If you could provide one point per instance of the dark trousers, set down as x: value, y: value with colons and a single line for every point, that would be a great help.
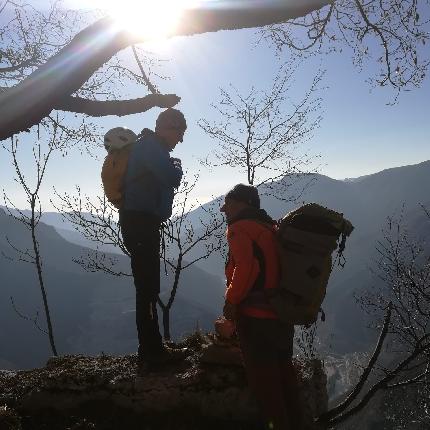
x: 267, y: 347
x: 141, y: 236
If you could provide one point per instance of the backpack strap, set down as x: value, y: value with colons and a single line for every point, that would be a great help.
x: 261, y: 278
x: 256, y: 296
x: 259, y: 256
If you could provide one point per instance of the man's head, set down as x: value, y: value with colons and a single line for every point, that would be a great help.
x: 240, y: 197
x: 171, y: 126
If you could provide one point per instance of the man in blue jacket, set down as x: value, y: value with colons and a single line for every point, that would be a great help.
x: 149, y: 183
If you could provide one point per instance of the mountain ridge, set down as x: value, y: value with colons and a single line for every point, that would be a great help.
x: 91, y: 312
x: 101, y: 311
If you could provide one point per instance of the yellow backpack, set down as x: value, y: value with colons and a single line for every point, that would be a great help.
x: 113, y: 173
x: 118, y: 142
x: 307, y: 238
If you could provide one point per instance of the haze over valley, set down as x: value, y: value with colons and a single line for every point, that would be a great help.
x: 94, y: 312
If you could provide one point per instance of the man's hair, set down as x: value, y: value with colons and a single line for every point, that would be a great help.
x: 245, y: 193
x: 171, y: 118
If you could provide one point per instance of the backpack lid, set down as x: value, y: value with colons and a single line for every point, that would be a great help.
x: 318, y: 219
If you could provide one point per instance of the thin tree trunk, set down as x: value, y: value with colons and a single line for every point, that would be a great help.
x: 166, y: 323
x: 38, y: 262
x: 338, y: 410
x: 166, y: 308
x: 178, y: 271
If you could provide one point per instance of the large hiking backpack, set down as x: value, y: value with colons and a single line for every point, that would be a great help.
x: 307, y: 237
x: 118, y: 142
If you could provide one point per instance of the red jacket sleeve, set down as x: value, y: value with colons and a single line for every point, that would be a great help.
x: 245, y: 265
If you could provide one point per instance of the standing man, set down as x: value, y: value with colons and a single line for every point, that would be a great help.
x: 266, y: 343
x: 148, y: 190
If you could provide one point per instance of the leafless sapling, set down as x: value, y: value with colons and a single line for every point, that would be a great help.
x: 401, y: 308
x: 97, y: 222
x: 260, y: 134
x: 41, y: 156
x: 183, y: 237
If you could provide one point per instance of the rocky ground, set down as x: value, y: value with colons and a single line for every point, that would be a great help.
x: 205, y: 391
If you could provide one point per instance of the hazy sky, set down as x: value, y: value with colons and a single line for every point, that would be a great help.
x: 359, y: 134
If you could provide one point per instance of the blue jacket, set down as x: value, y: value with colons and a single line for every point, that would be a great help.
x: 150, y: 178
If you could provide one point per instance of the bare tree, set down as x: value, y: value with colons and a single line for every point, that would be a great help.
x: 57, y: 141
x: 71, y: 72
x: 258, y: 133
x: 31, y: 38
x: 393, y: 32
x: 184, y: 237
x: 401, y: 306
x: 97, y: 222
x: 26, y: 30
x: 398, y: 27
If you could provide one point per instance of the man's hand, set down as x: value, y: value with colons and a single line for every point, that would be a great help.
x: 229, y: 311
x: 176, y: 162
x: 224, y: 328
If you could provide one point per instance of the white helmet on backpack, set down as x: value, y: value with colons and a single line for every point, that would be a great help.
x: 119, y: 137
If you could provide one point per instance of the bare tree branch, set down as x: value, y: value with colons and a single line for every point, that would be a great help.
x: 326, y: 417
x: 148, y: 83
x: 258, y: 133
x: 381, y: 384
x: 404, y: 268
x: 183, y: 237
x: 97, y: 261
x: 400, y: 29
x: 99, y: 42
x: 26, y: 63
x: 97, y: 108
x: 34, y: 320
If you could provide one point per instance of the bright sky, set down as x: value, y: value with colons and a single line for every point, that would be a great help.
x: 360, y: 134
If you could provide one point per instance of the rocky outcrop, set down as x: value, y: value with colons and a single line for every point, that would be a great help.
x: 209, y: 386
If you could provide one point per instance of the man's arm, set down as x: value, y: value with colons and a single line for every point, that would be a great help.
x: 155, y: 159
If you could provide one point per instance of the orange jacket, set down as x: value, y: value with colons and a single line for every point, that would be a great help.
x: 243, y: 266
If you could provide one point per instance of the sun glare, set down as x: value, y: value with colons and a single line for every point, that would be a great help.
x: 151, y: 19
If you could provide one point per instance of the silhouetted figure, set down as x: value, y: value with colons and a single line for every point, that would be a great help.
x: 266, y: 343
x: 149, y: 183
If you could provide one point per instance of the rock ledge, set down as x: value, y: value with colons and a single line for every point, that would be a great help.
x: 105, y: 392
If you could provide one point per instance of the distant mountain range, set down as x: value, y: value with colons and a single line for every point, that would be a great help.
x: 94, y: 312
x: 91, y: 312
x: 367, y: 202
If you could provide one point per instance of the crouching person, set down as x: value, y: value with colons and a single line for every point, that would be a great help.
x: 266, y: 343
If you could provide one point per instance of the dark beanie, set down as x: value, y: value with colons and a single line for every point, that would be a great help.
x: 245, y: 193
x: 173, y: 118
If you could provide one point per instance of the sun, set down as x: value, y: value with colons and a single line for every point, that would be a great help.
x: 150, y: 19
